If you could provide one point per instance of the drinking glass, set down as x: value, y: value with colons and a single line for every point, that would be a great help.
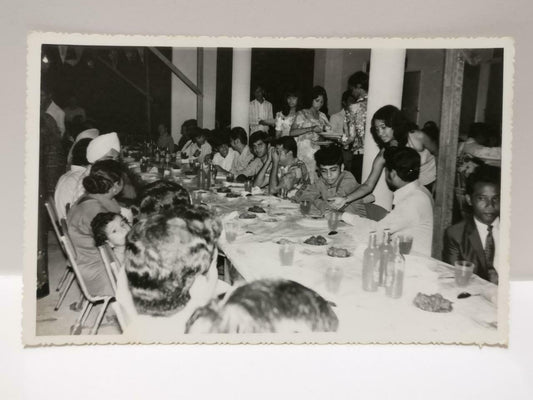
x: 333, y: 220
x: 248, y: 186
x: 334, y: 276
x: 305, y: 207
x: 231, y: 231
x: 406, y: 242
x: 463, y: 272
x: 283, y: 193
x: 286, y: 253
x: 196, y: 197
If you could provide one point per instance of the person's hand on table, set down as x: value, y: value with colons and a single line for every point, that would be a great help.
x: 337, y: 202
x: 184, y: 156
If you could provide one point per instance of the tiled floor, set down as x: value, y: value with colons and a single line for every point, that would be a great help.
x: 50, y: 322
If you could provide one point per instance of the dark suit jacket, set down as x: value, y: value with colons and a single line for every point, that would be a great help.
x: 462, y: 242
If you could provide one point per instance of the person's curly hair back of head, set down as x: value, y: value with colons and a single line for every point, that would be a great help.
x: 164, y: 254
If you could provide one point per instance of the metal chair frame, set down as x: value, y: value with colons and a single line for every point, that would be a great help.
x: 68, y: 276
x: 90, y: 300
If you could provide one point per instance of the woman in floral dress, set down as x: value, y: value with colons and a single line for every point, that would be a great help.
x: 307, y: 126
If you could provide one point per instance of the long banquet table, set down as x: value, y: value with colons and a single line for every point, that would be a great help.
x: 363, y: 316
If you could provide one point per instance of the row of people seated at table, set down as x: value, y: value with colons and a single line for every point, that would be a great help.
x: 168, y: 284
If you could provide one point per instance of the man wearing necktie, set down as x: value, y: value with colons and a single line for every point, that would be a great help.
x: 476, y: 238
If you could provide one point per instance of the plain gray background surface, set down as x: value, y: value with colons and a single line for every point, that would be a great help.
x: 408, y: 18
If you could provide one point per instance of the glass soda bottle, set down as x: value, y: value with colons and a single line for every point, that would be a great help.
x: 371, y: 265
x: 395, y: 272
x: 386, y: 254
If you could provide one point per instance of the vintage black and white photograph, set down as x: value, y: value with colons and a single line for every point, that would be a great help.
x: 225, y: 190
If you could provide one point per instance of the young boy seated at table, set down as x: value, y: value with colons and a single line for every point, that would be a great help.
x: 169, y: 271
x: 266, y: 306
x: 243, y: 156
x: 197, y: 147
x: 288, y: 172
x: 476, y: 239
x: 224, y: 155
x: 333, y: 181
x: 111, y: 228
x: 259, y: 168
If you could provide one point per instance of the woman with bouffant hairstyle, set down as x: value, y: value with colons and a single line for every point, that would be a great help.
x: 103, y: 183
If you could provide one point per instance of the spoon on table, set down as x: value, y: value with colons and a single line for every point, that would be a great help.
x: 465, y: 295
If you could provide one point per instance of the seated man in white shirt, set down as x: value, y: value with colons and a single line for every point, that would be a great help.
x: 412, y: 212
x: 170, y: 271
x: 197, y: 147
x: 68, y: 188
x: 239, y: 143
x: 224, y: 155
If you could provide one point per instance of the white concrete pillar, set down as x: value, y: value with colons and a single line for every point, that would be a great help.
x: 240, y: 87
x: 387, y: 68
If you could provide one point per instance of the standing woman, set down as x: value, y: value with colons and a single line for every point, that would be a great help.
x: 307, y: 126
x: 285, y: 118
x: 390, y: 127
x: 102, y: 185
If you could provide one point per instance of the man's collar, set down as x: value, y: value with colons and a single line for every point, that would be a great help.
x: 404, y: 191
x: 481, y: 226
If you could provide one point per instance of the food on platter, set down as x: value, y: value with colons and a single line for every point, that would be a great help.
x: 284, y: 241
x: 247, y: 215
x: 318, y: 240
x: 257, y: 209
x: 433, y: 303
x: 224, y: 190
x: 338, y: 252
x: 233, y: 195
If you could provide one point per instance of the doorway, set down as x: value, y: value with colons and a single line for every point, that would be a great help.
x: 411, y: 95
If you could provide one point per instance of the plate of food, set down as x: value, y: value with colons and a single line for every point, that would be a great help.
x: 247, y: 215
x: 317, y: 240
x: 257, y: 209
x: 435, y: 303
x: 338, y: 252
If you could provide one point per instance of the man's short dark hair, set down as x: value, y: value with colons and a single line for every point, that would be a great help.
x: 405, y: 161
x: 359, y: 78
x: 289, y: 144
x: 483, y: 174
x: 267, y: 306
x: 79, y: 152
x: 162, y: 195
x: 258, y: 136
x: 164, y: 254
x: 347, y: 95
x: 240, y: 134
x: 330, y: 155
x: 219, y: 138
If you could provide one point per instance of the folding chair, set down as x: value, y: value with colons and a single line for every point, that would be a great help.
x: 68, y: 276
x: 112, y: 266
x: 90, y: 300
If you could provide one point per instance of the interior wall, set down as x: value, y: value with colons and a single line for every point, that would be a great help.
x: 210, y: 88
x: 430, y: 62
x: 183, y: 104
x: 334, y: 77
